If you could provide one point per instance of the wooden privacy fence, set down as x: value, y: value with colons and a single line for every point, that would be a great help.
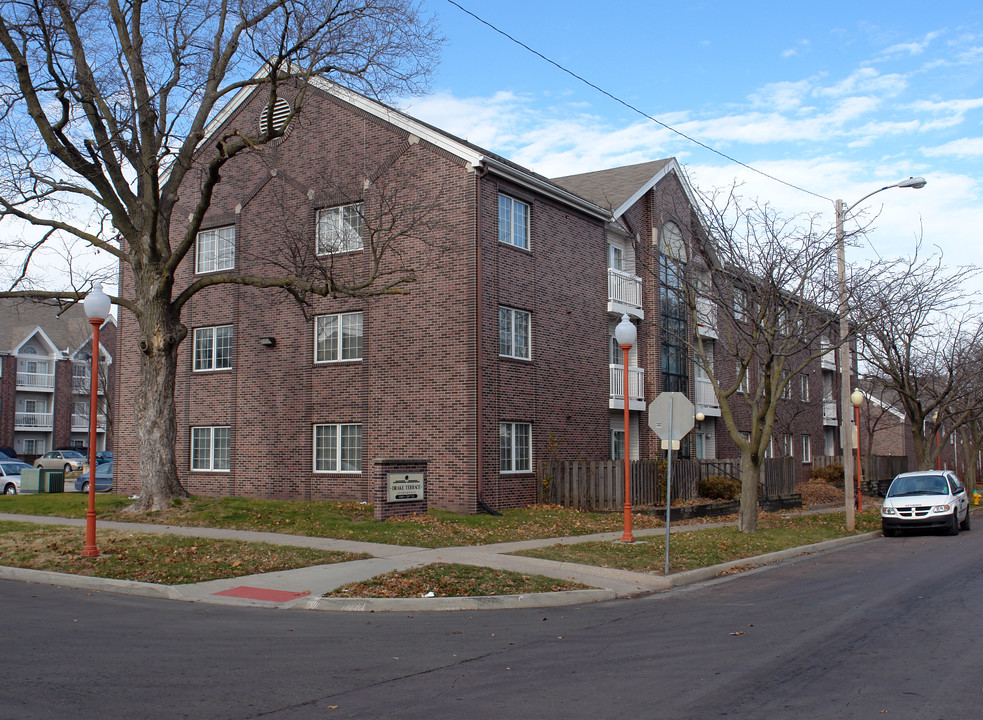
x: 600, y: 485
x: 875, y: 468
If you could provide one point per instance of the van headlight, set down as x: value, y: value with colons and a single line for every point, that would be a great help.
x: 888, y: 511
x: 942, y: 508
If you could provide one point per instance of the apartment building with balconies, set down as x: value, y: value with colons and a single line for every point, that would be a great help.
x: 45, y: 363
x: 499, y: 354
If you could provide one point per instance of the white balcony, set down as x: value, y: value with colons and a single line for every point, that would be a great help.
x: 33, y: 421
x: 829, y: 412
x: 706, y: 398
x: 636, y: 387
x: 80, y: 423
x: 828, y: 359
x: 706, y: 317
x: 625, y: 294
x: 35, y: 381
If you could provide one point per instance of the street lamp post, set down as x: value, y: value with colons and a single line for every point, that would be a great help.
x: 842, y: 209
x: 97, y: 305
x: 625, y: 335
x: 856, y: 398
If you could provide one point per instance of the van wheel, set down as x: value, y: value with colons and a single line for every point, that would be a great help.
x: 954, y: 525
x: 964, y: 525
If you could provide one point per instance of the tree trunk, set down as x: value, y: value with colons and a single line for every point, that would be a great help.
x: 747, y: 517
x: 156, y: 422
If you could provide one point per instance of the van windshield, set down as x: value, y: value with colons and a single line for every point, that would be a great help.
x: 919, y: 485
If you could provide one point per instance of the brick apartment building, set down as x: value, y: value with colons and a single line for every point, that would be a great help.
x: 499, y: 353
x: 45, y: 366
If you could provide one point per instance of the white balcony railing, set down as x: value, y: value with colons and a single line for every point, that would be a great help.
x: 624, y: 292
x: 829, y: 411
x: 81, y: 422
x: 35, y: 381
x: 32, y: 421
x: 705, y: 396
x: 706, y: 317
x: 636, y: 383
x: 828, y: 359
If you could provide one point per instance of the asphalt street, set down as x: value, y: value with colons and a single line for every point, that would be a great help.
x: 882, y: 628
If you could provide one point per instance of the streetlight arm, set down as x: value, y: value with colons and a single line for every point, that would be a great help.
x: 915, y: 183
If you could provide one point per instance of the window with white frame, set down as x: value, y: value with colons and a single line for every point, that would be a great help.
x: 211, y: 448
x: 514, y: 333
x: 31, y: 446
x: 338, y: 337
x: 740, y: 305
x: 338, y: 448
x: 515, y: 447
x: 804, y: 388
x: 806, y: 448
x: 215, y: 250
x: 786, y: 386
x: 213, y: 348
x: 340, y: 229
x: 788, y: 446
x: 513, y: 222
x: 743, y: 388
x: 617, y: 444
x: 616, y: 258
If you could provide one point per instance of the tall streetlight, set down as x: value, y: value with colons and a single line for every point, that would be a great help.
x: 842, y: 210
x: 97, y: 305
x: 625, y: 335
x: 856, y: 398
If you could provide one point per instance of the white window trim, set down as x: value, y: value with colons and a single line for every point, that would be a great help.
x: 526, y: 229
x: 211, y: 448
x: 513, y: 312
x: 341, y: 338
x: 348, y: 241
x: 194, y: 349
x: 513, y: 470
x: 232, y: 256
x: 806, y: 449
x: 338, y: 440
x: 804, y: 388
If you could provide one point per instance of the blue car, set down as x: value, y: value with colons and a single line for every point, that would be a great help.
x: 104, y: 479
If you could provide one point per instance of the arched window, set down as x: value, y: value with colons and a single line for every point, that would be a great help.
x: 671, y: 242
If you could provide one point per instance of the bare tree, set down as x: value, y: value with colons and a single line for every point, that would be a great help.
x: 103, y: 107
x: 764, y: 284
x: 921, y: 338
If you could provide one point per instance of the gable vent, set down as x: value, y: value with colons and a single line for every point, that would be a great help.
x: 280, y: 111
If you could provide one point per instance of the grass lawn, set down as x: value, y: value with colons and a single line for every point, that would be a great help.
x: 348, y: 521
x: 452, y: 580
x: 147, y: 557
x: 710, y: 546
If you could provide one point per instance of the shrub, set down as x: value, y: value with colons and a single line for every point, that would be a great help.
x: 719, y: 487
x: 829, y: 473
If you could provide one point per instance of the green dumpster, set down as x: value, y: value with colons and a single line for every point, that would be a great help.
x: 30, y: 480
x: 52, y: 481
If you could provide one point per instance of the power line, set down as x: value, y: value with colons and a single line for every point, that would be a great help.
x: 634, y: 109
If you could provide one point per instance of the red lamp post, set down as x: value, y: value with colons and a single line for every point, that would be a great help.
x: 625, y: 335
x: 97, y: 305
x: 856, y: 398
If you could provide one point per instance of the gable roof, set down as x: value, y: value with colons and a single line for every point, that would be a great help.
x: 617, y: 189
x: 20, y: 319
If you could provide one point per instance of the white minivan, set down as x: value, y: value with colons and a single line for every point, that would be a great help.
x: 925, y: 500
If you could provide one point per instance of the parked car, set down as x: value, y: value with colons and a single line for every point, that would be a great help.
x: 925, y: 500
x: 7, y: 452
x: 104, y: 479
x: 10, y: 475
x: 104, y: 456
x: 67, y: 460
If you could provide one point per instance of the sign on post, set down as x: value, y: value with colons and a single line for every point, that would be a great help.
x: 671, y: 416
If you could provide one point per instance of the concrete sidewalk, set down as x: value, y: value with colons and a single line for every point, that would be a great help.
x: 303, y: 588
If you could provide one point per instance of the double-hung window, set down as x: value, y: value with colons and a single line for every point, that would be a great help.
x: 515, y: 447
x: 514, y: 333
x: 216, y: 250
x: 806, y: 448
x: 338, y: 337
x: 804, y: 388
x: 338, y: 448
x: 211, y: 448
x: 340, y: 229
x: 213, y: 348
x: 513, y: 222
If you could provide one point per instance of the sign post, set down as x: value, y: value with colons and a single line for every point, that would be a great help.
x: 671, y: 416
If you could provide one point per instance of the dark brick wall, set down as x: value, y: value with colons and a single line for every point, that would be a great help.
x: 8, y: 399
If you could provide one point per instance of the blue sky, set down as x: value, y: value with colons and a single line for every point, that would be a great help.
x: 837, y: 98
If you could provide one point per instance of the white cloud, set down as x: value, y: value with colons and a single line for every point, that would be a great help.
x: 916, y: 47
x: 964, y: 147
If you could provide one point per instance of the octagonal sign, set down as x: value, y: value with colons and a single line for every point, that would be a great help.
x: 671, y: 416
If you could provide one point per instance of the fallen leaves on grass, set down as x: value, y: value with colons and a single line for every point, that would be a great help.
x: 452, y: 580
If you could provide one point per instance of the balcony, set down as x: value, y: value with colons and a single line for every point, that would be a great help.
x: 35, y: 381
x: 829, y: 412
x: 625, y: 294
x: 706, y: 398
x: 33, y: 421
x: 706, y: 317
x: 636, y: 387
x: 80, y: 423
x: 828, y: 359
